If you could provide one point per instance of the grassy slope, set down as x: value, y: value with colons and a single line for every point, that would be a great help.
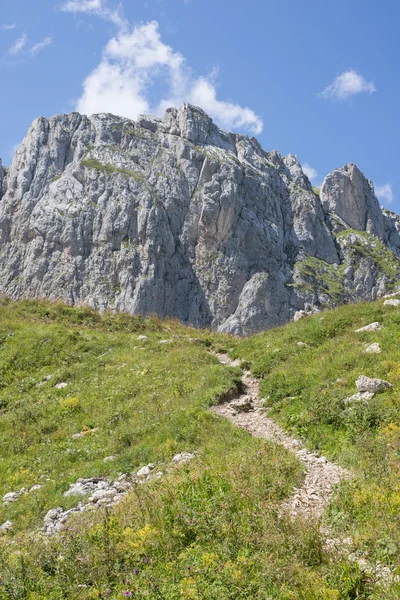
x: 210, y: 530
x: 306, y: 387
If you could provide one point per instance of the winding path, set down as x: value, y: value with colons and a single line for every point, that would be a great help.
x: 246, y: 411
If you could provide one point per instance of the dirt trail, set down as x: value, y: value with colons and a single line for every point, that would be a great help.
x: 247, y: 411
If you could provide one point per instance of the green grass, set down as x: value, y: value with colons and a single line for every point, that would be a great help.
x: 210, y: 529
x: 305, y: 388
x: 327, y: 279
x: 323, y: 277
x: 316, y: 190
x: 94, y: 163
x: 371, y: 247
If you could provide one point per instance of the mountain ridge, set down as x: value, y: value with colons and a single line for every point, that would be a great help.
x: 173, y: 216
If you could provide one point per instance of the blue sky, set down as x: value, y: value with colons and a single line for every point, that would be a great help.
x: 316, y: 78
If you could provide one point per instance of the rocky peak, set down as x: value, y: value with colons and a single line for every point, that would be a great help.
x: 174, y: 216
x: 348, y: 194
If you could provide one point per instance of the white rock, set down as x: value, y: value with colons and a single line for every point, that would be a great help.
x: 84, y: 487
x: 6, y: 526
x: 373, y: 348
x: 300, y: 314
x: 371, y: 327
x: 142, y: 338
x: 366, y: 384
x: 359, y: 397
x: 108, y: 458
x: 243, y: 404
x: 35, y: 487
x: 102, y: 494
x: 144, y: 471
x: 53, y: 514
x: 61, y: 386
x: 393, y: 302
x: 302, y: 345
x: 183, y: 457
x: 165, y: 341
x: 13, y: 496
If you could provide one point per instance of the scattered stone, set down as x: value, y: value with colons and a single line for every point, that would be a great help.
x: 302, y: 345
x: 371, y: 327
x: 366, y: 384
x: 242, y: 404
x: 300, y: 314
x: 393, y: 302
x: 102, y: 492
x: 373, y: 348
x: 76, y: 436
x: 142, y: 338
x: 61, y: 386
x: 109, y: 458
x: 144, y: 471
x: 35, y: 487
x: 13, y: 496
x: 183, y: 457
x: 6, y: 526
x: 390, y: 295
x: 84, y: 487
x: 165, y: 341
x: 359, y: 397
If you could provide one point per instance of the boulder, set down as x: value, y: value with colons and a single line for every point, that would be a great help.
x: 366, y: 384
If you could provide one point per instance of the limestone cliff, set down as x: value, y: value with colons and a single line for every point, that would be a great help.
x: 174, y: 216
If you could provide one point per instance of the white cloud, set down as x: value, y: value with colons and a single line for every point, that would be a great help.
x: 227, y: 114
x: 385, y: 193
x: 309, y: 171
x: 346, y: 85
x: 8, y: 27
x: 95, y: 7
x: 139, y: 73
x: 47, y: 41
x: 18, y: 45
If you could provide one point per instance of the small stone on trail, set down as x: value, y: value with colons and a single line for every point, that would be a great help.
x: 242, y: 404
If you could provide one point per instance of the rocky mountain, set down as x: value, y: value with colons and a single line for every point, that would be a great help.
x: 175, y: 217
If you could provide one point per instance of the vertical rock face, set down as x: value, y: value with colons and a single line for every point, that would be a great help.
x: 174, y: 216
x: 350, y: 196
x: 2, y: 179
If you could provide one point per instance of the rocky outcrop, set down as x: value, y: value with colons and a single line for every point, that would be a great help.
x: 175, y: 217
x: 349, y: 196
